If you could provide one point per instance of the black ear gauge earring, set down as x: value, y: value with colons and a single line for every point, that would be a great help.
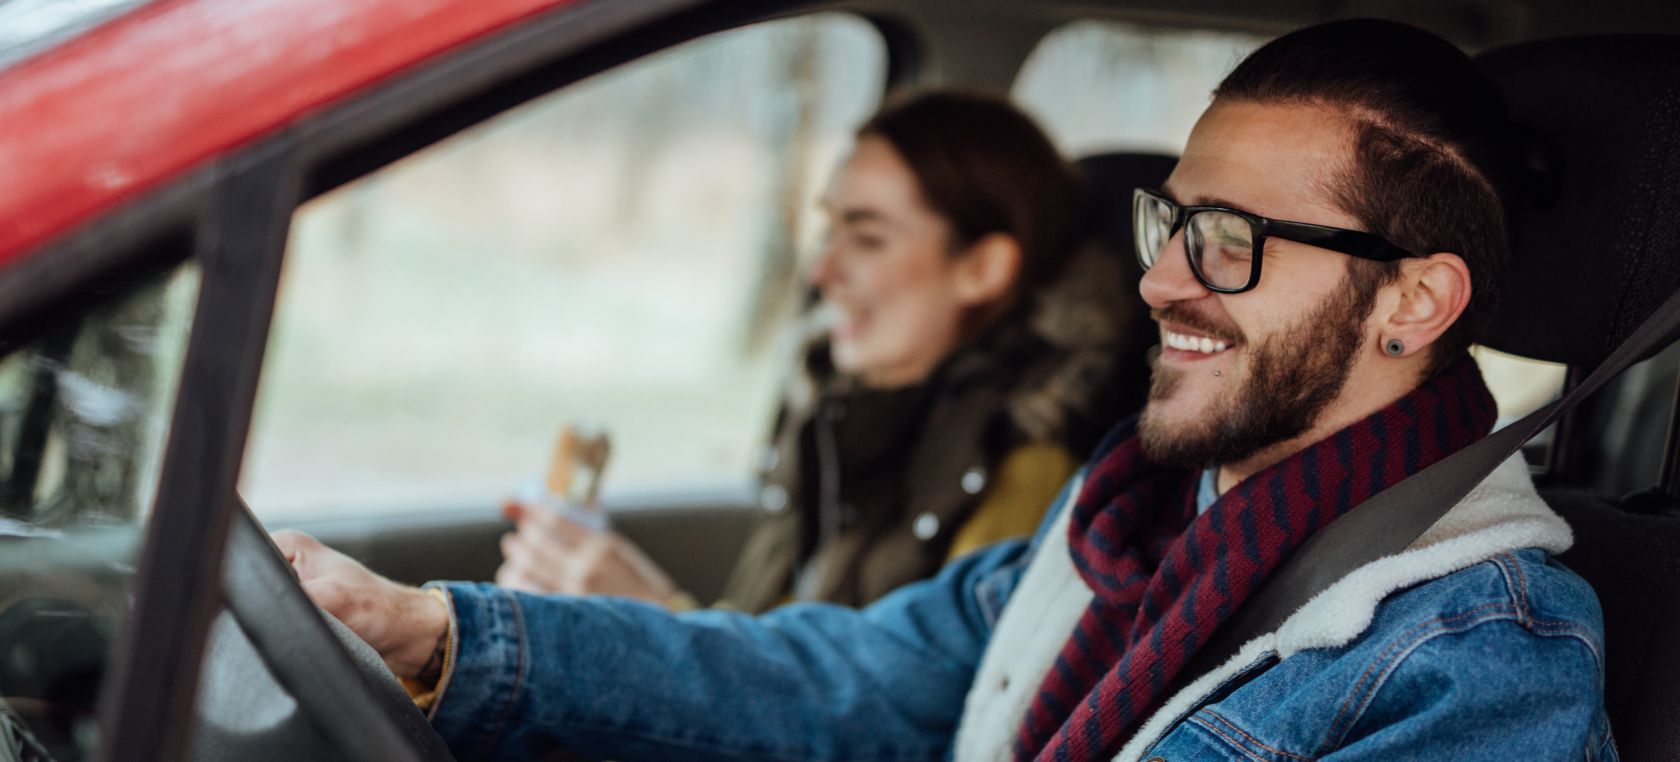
x: 1394, y: 347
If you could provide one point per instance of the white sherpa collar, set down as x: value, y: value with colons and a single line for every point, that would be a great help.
x: 1500, y: 515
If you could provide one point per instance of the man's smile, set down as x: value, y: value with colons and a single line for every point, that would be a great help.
x: 1193, y: 343
x: 1181, y: 343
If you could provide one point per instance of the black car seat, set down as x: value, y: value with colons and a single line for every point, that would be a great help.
x: 1109, y: 180
x: 1590, y: 263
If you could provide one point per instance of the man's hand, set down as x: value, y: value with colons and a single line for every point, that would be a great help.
x: 404, y: 624
x: 551, y: 554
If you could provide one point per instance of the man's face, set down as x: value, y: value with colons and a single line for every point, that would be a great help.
x: 1282, y: 352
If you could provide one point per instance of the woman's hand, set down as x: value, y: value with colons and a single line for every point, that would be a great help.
x: 404, y: 624
x: 548, y: 553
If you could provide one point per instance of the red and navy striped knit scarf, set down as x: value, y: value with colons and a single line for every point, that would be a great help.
x: 1165, y: 577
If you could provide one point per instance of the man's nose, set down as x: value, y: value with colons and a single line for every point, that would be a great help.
x: 1171, y: 280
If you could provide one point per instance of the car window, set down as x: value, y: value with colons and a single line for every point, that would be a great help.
x: 84, y: 409
x: 1520, y: 385
x: 621, y: 253
x: 1100, y: 86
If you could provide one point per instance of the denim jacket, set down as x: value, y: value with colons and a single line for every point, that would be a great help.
x: 1472, y: 645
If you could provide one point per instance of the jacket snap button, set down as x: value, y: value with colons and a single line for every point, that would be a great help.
x: 1003, y: 685
x: 974, y: 480
x: 926, y: 526
x: 773, y: 498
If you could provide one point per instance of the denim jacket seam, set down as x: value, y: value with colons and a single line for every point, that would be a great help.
x: 1562, y: 629
x: 1516, y: 583
x: 1209, y: 713
x: 1389, y: 650
x: 1387, y: 662
x: 1549, y: 628
x: 492, y: 740
x: 1185, y: 716
x: 1606, y: 741
x: 1232, y: 743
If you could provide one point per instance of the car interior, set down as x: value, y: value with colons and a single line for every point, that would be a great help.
x: 1605, y: 202
x: 1595, y: 255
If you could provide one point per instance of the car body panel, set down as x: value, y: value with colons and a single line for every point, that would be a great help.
x: 82, y: 128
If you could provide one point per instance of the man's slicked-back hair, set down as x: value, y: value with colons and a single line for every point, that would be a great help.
x: 1436, y: 160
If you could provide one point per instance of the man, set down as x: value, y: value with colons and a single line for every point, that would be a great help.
x: 1319, y: 262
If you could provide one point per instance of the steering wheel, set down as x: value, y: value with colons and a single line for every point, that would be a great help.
x: 283, y: 680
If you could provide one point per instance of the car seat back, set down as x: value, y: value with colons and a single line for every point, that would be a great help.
x: 1633, y: 561
x: 1109, y: 180
x: 1595, y: 253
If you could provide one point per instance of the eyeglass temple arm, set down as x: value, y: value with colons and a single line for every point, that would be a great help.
x: 1351, y: 242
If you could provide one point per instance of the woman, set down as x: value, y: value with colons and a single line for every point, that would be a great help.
x: 971, y: 353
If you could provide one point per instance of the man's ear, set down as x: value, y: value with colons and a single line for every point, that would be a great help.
x: 987, y: 271
x: 1433, y: 292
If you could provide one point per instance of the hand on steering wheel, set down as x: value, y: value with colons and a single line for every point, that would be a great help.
x: 404, y: 624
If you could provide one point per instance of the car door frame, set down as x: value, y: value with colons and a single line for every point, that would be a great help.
x: 232, y: 214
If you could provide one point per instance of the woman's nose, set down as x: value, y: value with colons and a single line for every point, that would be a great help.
x: 1170, y: 279
x: 826, y: 267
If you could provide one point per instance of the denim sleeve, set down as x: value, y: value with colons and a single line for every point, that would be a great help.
x: 1501, y: 690
x: 618, y: 679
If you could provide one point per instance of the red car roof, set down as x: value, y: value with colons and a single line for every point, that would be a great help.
x: 131, y: 104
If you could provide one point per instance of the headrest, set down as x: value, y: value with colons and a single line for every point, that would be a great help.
x: 1110, y: 179
x: 1589, y: 264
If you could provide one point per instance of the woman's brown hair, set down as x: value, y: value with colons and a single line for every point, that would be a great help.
x: 987, y: 168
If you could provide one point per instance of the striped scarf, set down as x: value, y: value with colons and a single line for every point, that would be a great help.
x: 1165, y: 578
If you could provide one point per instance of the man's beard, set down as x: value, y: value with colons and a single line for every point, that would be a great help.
x: 1293, y: 376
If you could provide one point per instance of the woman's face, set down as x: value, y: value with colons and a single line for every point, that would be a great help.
x: 886, y: 272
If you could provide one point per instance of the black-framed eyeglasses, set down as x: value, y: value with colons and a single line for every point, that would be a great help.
x: 1224, y: 245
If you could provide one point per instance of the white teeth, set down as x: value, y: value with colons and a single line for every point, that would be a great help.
x: 1202, y: 344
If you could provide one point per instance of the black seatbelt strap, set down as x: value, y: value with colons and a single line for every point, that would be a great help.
x: 1390, y: 521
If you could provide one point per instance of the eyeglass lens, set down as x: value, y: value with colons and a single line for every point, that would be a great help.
x: 1221, y: 244
x: 1221, y: 247
x: 1153, y: 219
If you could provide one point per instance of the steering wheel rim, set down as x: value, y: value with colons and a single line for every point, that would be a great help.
x: 337, y: 684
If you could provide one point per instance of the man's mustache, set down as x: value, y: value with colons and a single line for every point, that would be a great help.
x: 1198, y: 322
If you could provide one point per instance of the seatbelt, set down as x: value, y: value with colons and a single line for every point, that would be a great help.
x: 1390, y: 521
